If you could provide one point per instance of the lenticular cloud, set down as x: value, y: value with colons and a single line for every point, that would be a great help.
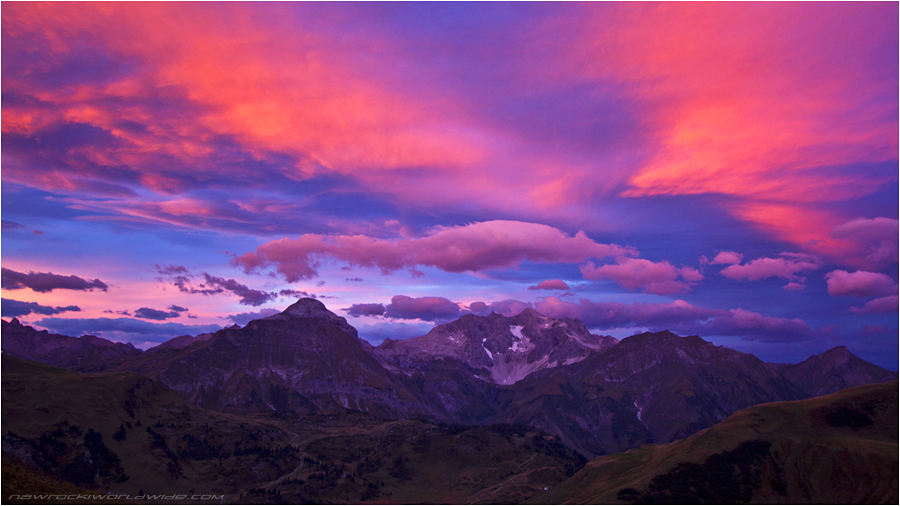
x: 473, y: 247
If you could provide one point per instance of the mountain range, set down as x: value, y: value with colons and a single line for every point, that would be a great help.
x: 593, y: 394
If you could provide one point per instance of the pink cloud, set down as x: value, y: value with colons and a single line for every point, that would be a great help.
x: 727, y: 257
x: 750, y: 115
x: 653, y: 277
x: 887, y: 304
x: 787, y: 266
x: 860, y: 283
x: 550, y: 284
x: 795, y: 286
x: 474, y: 247
x: 874, y: 239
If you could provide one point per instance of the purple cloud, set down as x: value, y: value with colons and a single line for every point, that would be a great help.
x: 786, y: 266
x: 213, y: 285
x: 122, y: 329
x: 877, y: 237
x: 12, y: 225
x: 13, y: 308
x: 860, y: 283
x: 887, y: 304
x: 365, y: 310
x: 474, y: 247
x: 44, y: 282
x: 728, y: 258
x: 659, y: 278
x: 155, y: 314
x: 297, y: 294
x: 245, y: 318
x: 422, y: 308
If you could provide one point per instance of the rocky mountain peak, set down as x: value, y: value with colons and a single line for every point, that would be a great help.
x: 312, y: 308
x: 506, y: 349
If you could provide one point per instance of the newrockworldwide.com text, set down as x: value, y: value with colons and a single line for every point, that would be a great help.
x: 116, y: 497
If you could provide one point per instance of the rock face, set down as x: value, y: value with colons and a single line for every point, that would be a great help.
x: 85, y: 353
x: 834, y: 370
x: 503, y: 350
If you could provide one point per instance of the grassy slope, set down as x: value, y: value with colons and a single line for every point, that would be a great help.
x: 37, y: 399
x: 822, y: 449
x: 338, y: 458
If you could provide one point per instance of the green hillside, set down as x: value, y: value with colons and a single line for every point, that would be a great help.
x: 836, y: 449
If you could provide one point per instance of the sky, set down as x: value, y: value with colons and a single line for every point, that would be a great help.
x: 722, y: 169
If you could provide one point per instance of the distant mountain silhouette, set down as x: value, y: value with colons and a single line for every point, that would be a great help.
x: 85, y: 353
x: 834, y: 370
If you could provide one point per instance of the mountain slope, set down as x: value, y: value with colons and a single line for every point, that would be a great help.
x: 838, y: 449
x: 649, y: 388
x: 85, y: 353
x: 121, y: 431
x: 302, y: 359
x: 504, y: 349
x: 834, y: 370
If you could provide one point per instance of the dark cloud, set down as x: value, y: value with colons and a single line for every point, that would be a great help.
x: 249, y: 296
x: 178, y: 309
x: 678, y: 316
x: 122, y: 329
x: 13, y: 308
x: 44, y: 282
x: 155, y: 314
x: 124, y: 312
x: 170, y: 270
x: 298, y: 294
x: 377, y: 333
x: 365, y: 310
x: 181, y: 278
x: 422, y: 308
x: 355, y: 280
x: 682, y: 318
x: 245, y: 318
